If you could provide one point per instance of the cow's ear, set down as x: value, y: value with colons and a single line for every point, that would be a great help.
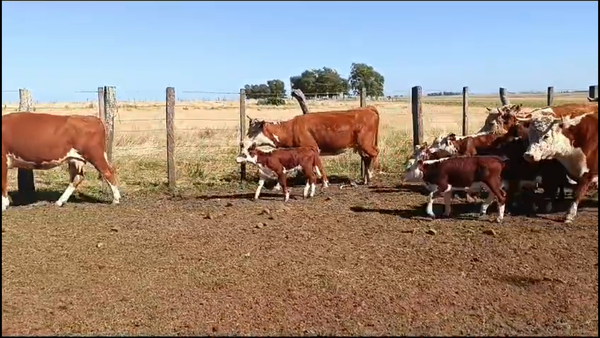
x: 488, y: 109
x: 452, y: 137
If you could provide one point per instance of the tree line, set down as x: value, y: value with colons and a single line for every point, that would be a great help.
x: 320, y: 83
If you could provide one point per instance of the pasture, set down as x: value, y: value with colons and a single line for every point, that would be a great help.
x: 207, y: 260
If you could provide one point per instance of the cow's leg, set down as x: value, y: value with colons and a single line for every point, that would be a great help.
x: 578, y: 193
x: 100, y: 162
x: 311, y: 180
x: 76, y: 177
x: 320, y: 171
x: 495, y: 185
x: 488, y: 201
x: 368, y: 174
x: 5, y: 200
x: 261, y: 183
x: 447, y: 200
x: 281, y: 177
x: 429, y: 208
x: 366, y: 144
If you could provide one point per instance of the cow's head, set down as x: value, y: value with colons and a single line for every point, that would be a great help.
x: 414, y: 171
x: 546, y: 138
x: 256, y: 134
x: 500, y: 119
x: 444, y: 146
x: 248, y: 155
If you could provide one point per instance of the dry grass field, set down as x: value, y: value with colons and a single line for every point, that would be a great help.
x: 208, y: 260
x: 207, y: 135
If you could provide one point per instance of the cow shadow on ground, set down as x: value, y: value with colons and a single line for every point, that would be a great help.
x: 50, y: 196
x: 267, y: 192
x: 461, y: 211
x: 409, y: 188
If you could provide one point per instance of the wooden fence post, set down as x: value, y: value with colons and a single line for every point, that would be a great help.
x: 101, y: 112
x: 503, y: 98
x: 465, y: 111
x: 363, y: 103
x: 110, y: 110
x: 25, y: 179
x: 363, y: 96
x: 417, y: 115
x: 170, y: 118
x: 242, y: 130
x: 550, y: 96
x: 593, y: 93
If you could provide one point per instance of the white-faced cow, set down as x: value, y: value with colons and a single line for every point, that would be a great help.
x: 572, y: 140
x: 279, y: 163
x: 460, y: 173
x: 45, y: 141
x: 501, y: 119
x: 329, y: 133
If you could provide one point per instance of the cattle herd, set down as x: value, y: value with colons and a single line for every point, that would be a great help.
x: 515, y: 150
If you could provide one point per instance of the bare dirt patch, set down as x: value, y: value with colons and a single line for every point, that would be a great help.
x: 356, y: 261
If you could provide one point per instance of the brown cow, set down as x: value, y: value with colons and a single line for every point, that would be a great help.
x: 276, y: 164
x: 460, y: 173
x: 330, y: 133
x: 469, y: 145
x: 44, y: 141
x: 573, y: 140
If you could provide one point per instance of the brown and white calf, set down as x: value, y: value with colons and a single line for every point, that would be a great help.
x: 278, y: 163
x: 45, y: 141
x: 460, y: 173
x: 572, y: 140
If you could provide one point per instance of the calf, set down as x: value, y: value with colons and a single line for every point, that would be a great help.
x: 276, y: 164
x: 460, y: 173
x: 44, y: 141
x: 470, y: 145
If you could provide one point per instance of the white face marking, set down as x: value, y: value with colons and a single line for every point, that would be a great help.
x: 546, y: 141
x: 13, y: 161
x: 413, y: 173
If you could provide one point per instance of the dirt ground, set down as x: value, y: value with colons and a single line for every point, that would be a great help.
x: 355, y: 261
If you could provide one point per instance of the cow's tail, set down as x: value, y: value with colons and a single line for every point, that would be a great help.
x: 376, y: 164
x: 105, y: 154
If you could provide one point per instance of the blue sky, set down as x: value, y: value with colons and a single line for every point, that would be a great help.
x: 58, y: 48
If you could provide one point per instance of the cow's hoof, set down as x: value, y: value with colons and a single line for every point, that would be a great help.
x: 116, y: 202
x: 59, y: 203
x: 568, y: 220
x: 498, y: 220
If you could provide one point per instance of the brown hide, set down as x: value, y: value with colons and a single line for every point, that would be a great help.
x: 39, y: 138
x: 330, y: 132
x: 584, y: 135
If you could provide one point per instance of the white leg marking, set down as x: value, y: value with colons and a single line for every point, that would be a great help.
x: 501, y: 208
x: 287, y: 196
x: 370, y: 173
x: 571, y: 213
x: 76, y: 172
x: 65, y: 196
x: 312, y: 189
x: 429, y: 208
x: 318, y: 172
x: 5, y: 202
x: 116, y: 193
x: 305, y: 194
x: 448, y: 200
x: 261, y: 182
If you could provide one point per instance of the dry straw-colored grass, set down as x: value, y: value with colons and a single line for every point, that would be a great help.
x: 207, y: 136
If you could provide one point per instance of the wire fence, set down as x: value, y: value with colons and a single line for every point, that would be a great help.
x: 191, y: 129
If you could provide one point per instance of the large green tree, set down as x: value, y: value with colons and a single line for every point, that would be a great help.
x: 324, y: 82
x: 273, y: 92
x: 361, y: 73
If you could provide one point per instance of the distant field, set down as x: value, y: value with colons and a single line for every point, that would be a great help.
x: 207, y: 134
